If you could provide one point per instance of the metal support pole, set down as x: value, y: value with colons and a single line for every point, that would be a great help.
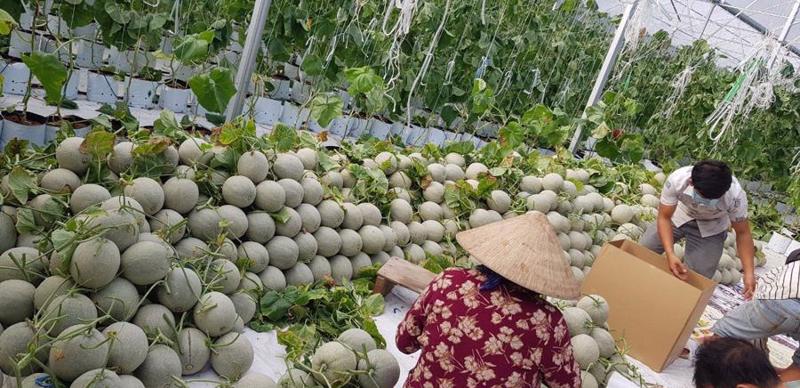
x: 751, y: 22
x: 252, y: 44
x: 784, y: 32
x: 605, y: 70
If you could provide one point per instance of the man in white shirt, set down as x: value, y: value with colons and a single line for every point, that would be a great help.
x: 699, y: 203
x: 774, y: 310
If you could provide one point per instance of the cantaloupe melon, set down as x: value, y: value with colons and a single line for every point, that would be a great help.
x: 76, y: 351
x: 288, y: 166
x: 273, y: 279
x: 382, y: 370
x: 334, y: 361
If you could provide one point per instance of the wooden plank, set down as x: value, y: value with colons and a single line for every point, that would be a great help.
x: 400, y: 272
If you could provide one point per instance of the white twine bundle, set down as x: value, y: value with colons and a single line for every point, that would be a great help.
x: 426, y: 63
x: 448, y: 75
x: 679, y: 85
x: 762, y: 96
x: 634, y: 31
x: 398, y: 32
x: 534, y: 81
x: 754, y: 90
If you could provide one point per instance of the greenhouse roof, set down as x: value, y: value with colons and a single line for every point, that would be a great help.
x: 738, y: 29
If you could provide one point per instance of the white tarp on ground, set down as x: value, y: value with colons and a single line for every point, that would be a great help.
x: 269, y: 354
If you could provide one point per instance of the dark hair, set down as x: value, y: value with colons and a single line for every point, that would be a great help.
x: 493, y: 279
x: 794, y: 256
x: 711, y: 178
x: 727, y: 362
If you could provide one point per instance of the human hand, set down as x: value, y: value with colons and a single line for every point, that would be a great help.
x: 677, y: 267
x: 749, y: 286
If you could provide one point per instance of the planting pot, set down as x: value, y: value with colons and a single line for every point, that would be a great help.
x: 450, y: 136
x: 87, y: 32
x: 303, y: 117
x: 141, y: 93
x: 26, y: 20
x: 356, y: 127
x: 175, y: 99
x: 167, y: 45
x: 50, y: 133
x: 19, y: 43
x: 300, y: 92
x: 487, y: 129
x: 436, y: 136
x: 83, y: 131
x: 183, y: 73
x: 267, y: 111
x: 15, y: 77
x: 64, y: 53
x: 313, y: 126
x: 398, y: 129
x: 33, y: 132
x: 290, y: 114
x: 90, y: 54
x: 282, y: 90
x: 470, y: 137
x: 379, y: 129
x: 70, y: 90
x: 102, y: 88
x: 346, y: 99
x: 57, y: 26
x: 457, y: 124
x: 416, y: 135
x: 80, y: 127
x: 291, y: 71
x: 131, y: 61
x: 338, y: 126
x: 228, y: 57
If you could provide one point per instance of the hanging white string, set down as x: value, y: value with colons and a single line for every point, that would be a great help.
x: 426, y: 63
x: 448, y: 75
x: 762, y: 96
x: 753, y: 89
x: 387, y: 14
x: 398, y: 32
x: 534, y: 81
x: 679, y: 85
x: 332, y: 49
x: 507, y: 76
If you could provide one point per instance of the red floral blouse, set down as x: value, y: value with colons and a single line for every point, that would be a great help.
x: 507, y: 337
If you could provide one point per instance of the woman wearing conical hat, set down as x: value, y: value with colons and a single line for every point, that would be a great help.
x: 491, y: 326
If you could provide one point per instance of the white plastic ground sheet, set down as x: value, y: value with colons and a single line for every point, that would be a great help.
x: 269, y: 354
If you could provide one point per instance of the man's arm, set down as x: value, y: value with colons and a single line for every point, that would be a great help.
x: 664, y: 224
x: 746, y: 250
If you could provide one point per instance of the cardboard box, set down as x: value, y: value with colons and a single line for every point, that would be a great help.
x: 650, y: 309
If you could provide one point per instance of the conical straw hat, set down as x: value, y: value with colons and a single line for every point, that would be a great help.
x: 526, y: 251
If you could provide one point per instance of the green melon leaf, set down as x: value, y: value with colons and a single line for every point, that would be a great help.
x: 22, y: 182
x: 7, y: 23
x: 213, y: 89
x: 326, y: 107
x: 50, y: 72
